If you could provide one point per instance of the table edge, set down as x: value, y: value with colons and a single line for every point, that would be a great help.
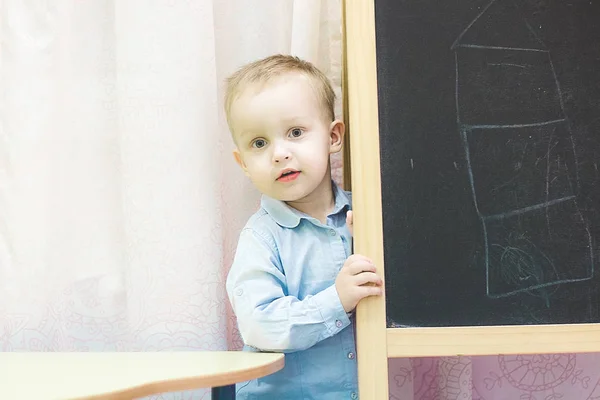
x: 190, y: 383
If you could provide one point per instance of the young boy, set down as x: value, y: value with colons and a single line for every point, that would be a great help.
x: 293, y: 284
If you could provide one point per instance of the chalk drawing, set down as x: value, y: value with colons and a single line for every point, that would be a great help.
x: 520, y: 156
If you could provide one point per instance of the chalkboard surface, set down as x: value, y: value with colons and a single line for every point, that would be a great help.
x: 489, y: 115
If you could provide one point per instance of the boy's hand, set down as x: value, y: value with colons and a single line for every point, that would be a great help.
x: 357, y: 280
x: 350, y: 222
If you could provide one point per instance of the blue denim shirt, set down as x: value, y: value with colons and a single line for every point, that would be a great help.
x: 282, y: 288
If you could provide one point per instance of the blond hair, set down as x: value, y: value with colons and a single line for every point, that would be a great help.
x: 264, y: 70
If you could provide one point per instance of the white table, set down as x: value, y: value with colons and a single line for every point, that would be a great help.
x: 45, y: 376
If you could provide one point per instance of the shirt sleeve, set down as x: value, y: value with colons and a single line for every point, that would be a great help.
x: 268, y: 318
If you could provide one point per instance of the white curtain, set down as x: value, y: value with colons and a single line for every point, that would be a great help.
x: 120, y: 202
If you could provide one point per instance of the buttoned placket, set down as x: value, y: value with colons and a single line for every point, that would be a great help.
x: 340, y: 254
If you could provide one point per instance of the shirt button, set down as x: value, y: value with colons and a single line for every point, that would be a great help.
x: 351, y: 356
x: 332, y: 232
x: 238, y: 291
x: 354, y: 396
x: 338, y: 323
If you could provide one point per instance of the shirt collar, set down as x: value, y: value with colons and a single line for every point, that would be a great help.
x: 289, y: 217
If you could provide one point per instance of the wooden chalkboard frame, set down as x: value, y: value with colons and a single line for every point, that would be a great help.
x: 375, y: 342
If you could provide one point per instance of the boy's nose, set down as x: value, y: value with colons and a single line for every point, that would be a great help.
x: 281, y: 153
x: 279, y: 158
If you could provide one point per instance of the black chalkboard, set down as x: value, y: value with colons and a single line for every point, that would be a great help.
x: 489, y: 115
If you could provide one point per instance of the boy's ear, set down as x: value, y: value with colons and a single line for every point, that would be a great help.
x: 240, y: 161
x: 336, y: 136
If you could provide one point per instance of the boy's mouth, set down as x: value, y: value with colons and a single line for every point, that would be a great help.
x: 288, y: 175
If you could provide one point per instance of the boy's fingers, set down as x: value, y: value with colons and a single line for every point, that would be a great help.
x: 360, y: 266
x: 366, y: 291
x: 358, y: 258
x: 367, y: 277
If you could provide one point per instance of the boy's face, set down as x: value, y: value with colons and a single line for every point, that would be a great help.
x: 284, y: 138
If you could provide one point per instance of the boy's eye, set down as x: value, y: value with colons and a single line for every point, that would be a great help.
x: 259, y: 143
x: 296, y: 132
